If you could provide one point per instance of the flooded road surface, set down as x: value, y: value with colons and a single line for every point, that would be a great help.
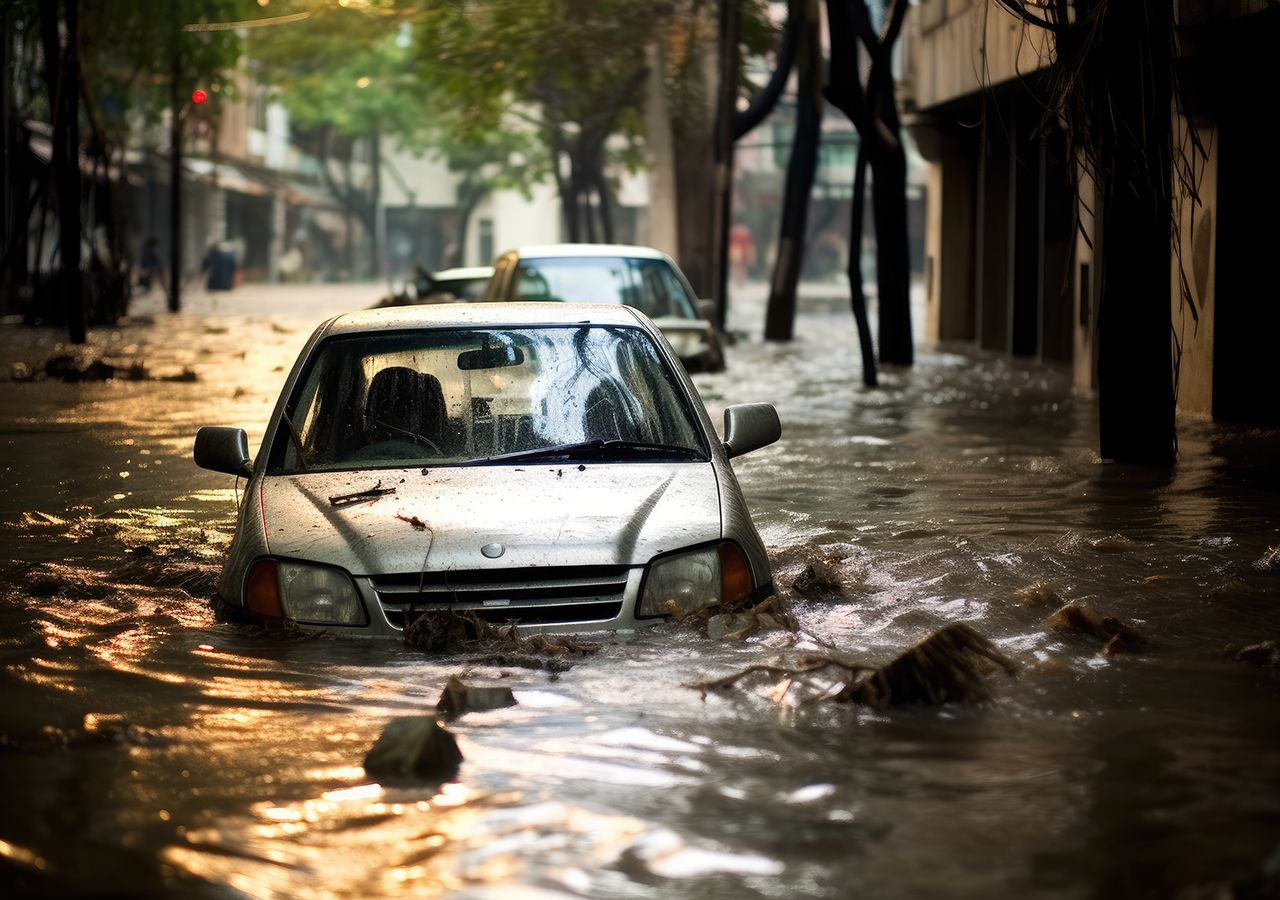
x: 147, y: 749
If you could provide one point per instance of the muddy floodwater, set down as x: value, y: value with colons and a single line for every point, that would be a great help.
x: 147, y: 749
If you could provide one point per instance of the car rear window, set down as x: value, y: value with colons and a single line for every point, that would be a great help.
x: 457, y: 396
x: 648, y: 285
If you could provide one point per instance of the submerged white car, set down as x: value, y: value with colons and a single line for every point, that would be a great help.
x: 548, y: 464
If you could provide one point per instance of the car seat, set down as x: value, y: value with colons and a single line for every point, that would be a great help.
x: 605, y: 415
x: 403, y: 403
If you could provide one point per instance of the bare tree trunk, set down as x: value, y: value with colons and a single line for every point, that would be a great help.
x: 375, y: 192
x: 175, y: 181
x: 857, y: 290
x: 605, y: 196
x: 472, y: 193
x: 730, y: 29
x: 893, y: 262
x: 62, y: 78
x: 801, y: 168
x: 692, y: 117
x: 1130, y: 81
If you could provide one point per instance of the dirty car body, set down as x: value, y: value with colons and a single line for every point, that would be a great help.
x: 548, y: 464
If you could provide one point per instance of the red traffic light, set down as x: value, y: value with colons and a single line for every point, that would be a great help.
x: 198, y: 96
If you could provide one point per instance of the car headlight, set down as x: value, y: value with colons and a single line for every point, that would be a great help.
x: 687, y: 344
x: 305, y: 593
x: 688, y: 582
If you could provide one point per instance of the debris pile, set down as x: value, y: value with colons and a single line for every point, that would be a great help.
x: 1265, y: 655
x: 1039, y: 594
x: 72, y: 369
x: 949, y: 666
x: 462, y: 630
x: 1117, y: 637
x: 818, y: 579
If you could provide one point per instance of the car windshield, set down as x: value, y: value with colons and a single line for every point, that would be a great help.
x: 649, y: 285
x: 486, y: 396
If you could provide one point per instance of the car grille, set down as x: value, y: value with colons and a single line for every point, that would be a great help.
x: 531, y: 596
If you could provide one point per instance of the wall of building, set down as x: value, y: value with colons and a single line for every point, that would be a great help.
x: 958, y: 47
x: 1193, y: 307
x: 1012, y: 258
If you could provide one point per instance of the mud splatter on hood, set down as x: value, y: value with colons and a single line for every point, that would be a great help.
x: 544, y: 515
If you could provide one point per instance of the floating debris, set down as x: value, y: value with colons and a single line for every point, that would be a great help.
x: 452, y: 630
x: 949, y: 666
x: 458, y: 697
x: 414, y: 747
x: 95, y: 731
x: 818, y: 579
x: 1265, y: 655
x: 769, y: 615
x: 1269, y: 561
x: 1116, y: 635
x: 72, y: 370
x: 1039, y: 594
x: 1114, y: 543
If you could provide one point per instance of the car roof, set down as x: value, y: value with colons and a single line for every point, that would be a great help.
x: 536, y: 251
x: 463, y: 272
x: 466, y: 315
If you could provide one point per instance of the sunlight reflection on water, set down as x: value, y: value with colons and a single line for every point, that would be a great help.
x: 966, y: 490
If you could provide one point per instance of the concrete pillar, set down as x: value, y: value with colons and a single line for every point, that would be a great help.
x: 949, y: 241
x: 1195, y: 261
x: 1057, y: 251
x: 1088, y: 281
x: 995, y: 254
x: 1026, y: 300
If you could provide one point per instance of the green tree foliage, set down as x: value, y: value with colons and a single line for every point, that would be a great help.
x: 95, y: 70
x: 570, y: 71
x: 345, y: 74
x: 351, y: 73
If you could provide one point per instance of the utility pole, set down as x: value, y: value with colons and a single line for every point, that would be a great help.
x: 175, y: 179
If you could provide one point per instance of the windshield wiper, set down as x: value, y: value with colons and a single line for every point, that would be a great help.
x: 598, y: 448
x: 372, y: 493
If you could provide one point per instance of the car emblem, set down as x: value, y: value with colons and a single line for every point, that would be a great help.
x: 493, y: 551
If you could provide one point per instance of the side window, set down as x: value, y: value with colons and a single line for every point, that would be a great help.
x: 676, y: 299
x: 531, y: 285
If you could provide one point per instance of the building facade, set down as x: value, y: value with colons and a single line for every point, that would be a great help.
x: 1013, y: 225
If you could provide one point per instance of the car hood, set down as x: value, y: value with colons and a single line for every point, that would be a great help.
x: 613, y: 514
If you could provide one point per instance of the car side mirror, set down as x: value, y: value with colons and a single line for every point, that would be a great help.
x: 707, y: 310
x: 750, y: 426
x: 222, y: 449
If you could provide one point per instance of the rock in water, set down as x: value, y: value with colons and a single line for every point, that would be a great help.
x: 414, y: 747
x: 458, y: 697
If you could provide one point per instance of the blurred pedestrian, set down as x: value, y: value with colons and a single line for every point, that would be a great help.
x: 742, y: 253
x: 150, y: 266
x: 220, y: 264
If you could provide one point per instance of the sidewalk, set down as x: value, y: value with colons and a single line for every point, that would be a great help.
x: 251, y: 299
